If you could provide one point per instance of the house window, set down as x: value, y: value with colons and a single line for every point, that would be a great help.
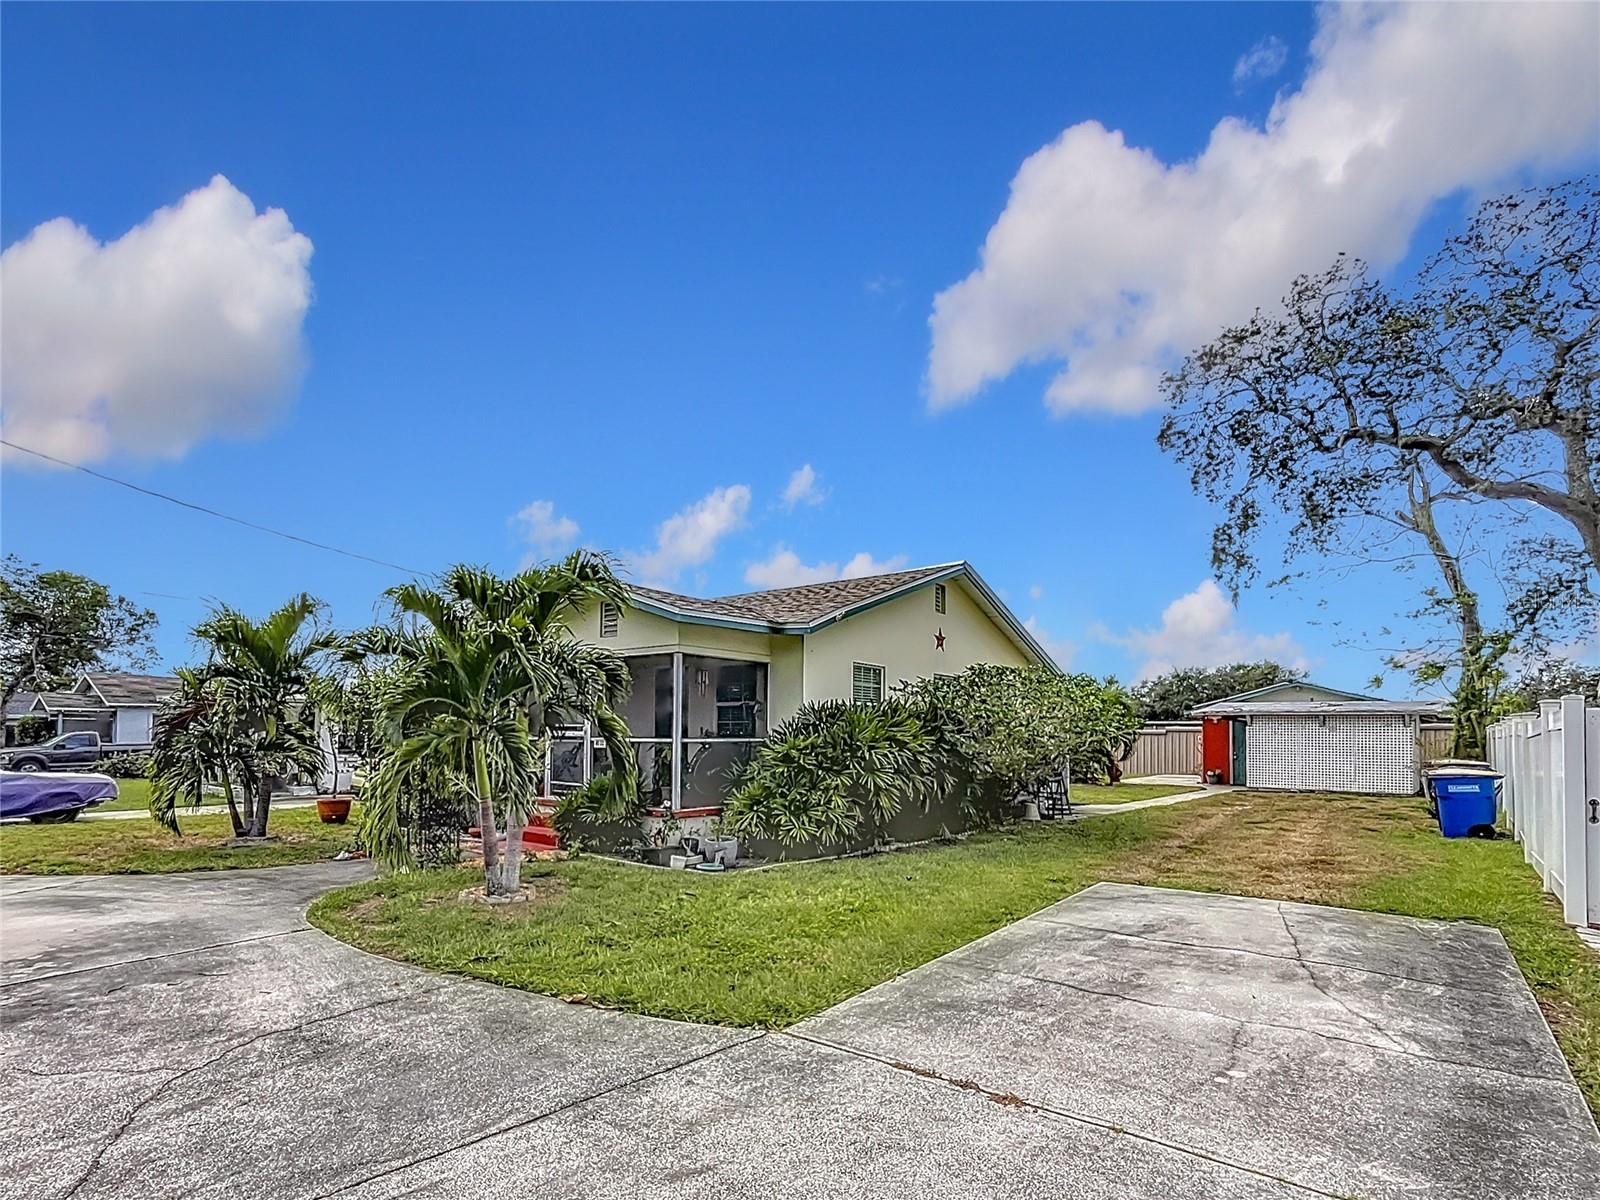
x: 610, y: 617
x: 938, y: 598
x: 866, y: 684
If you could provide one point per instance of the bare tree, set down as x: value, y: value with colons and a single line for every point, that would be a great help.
x: 1487, y: 369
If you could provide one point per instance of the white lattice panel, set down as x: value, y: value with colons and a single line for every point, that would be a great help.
x: 1348, y: 753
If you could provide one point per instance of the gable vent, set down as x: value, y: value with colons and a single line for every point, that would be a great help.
x: 610, y: 618
x: 938, y: 598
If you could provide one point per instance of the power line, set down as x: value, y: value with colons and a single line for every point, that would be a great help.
x: 210, y: 512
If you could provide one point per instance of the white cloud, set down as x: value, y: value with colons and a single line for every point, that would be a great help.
x: 185, y: 327
x: 1262, y: 61
x: 1200, y: 629
x: 802, y: 488
x: 783, y: 568
x: 1110, y: 262
x: 690, y: 537
x: 1062, y: 651
x: 1036, y: 592
x: 545, y: 532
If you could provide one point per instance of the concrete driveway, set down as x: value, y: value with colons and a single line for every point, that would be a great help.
x: 190, y: 1035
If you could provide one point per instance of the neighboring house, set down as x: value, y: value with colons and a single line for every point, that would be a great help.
x: 734, y: 667
x: 120, y: 708
x: 18, y: 707
x: 1308, y: 738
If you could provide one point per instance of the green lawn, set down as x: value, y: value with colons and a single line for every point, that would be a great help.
x: 131, y: 793
x: 142, y: 848
x: 1126, y: 793
x: 766, y: 948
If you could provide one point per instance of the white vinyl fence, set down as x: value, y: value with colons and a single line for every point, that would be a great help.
x: 1551, y: 798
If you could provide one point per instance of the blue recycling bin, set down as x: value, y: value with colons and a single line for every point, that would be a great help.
x: 1466, y: 804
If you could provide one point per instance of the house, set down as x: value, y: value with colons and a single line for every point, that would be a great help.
x: 1310, y: 738
x: 734, y: 667
x: 120, y: 708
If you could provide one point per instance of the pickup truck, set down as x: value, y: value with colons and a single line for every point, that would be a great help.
x: 67, y: 752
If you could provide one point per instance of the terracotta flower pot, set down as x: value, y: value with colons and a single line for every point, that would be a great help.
x: 334, y: 810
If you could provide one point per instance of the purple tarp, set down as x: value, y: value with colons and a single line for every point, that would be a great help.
x: 38, y: 793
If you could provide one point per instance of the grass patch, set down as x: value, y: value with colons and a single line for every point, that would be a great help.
x: 131, y: 794
x: 143, y: 848
x: 1126, y: 793
x: 767, y: 948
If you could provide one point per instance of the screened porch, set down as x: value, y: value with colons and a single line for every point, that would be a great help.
x: 685, y: 764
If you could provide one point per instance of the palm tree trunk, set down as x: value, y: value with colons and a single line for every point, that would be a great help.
x: 486, y: 829
x: 511, y: 867
x: 247, y: 788
x: 263, y: 805
x: 233, y: 808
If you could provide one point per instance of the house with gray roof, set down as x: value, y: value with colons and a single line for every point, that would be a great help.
x: 711, y: 676
x: 119, y: 707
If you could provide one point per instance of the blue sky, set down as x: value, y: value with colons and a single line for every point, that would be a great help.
x: 623, y: 260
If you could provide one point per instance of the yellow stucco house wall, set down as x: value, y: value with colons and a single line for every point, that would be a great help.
x: 910, y: 624
x: 734, y: 667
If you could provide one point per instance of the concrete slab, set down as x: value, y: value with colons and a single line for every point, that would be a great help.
x: 783, y: 1117
x: 287, y: 1066
x: 121, y: 918
x: 1346, y: 1082
x: 168, y: 1036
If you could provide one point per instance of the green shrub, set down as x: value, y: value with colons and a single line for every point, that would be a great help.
x: 31, y: 730
x: 134, y: 764
x: 831, y: 767
x: 1011, y: 727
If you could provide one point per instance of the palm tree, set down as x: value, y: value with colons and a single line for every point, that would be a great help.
x: 481, y: 669
x: 265, y: 672
x: 197, y: 739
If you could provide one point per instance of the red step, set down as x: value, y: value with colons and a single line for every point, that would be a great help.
x: 541, y: 837
x: 539, y: 834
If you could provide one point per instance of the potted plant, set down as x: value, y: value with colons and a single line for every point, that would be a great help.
x: 720, y: 844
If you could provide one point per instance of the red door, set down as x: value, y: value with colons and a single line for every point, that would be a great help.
x: 1214, y: 749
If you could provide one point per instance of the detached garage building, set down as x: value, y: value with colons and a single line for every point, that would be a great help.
x: 1306, y: 738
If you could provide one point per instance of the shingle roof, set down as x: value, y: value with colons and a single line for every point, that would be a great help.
x: 20, y: 705
x: 120, y: 689
x: 792, y: 606
x: 1317, y: 708
x: 68, y: 701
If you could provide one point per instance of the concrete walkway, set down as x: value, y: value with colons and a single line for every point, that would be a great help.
x: 205, y: 810
x: 190, y: 1035
x: 1198, y: 792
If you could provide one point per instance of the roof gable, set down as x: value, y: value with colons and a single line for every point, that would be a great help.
x: 128, y: 691
x: 814, y: 606
x: 791, y: 606
x: 1301, y: 690
x: 56, y: 702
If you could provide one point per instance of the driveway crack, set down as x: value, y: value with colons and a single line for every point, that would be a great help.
x: 180, y: 1074
x: 1327, y: 995
x: 1321, y: 962
x: 128, y: 962
x: 512, y: 1126
x: 1390, y: 1048
x: 1010, y: 1100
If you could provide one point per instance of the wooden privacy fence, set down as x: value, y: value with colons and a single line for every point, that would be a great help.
x: 1173, y: 748
x: 1434, y: 739
x: 1550, y: 798
x: 1165, y: 748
